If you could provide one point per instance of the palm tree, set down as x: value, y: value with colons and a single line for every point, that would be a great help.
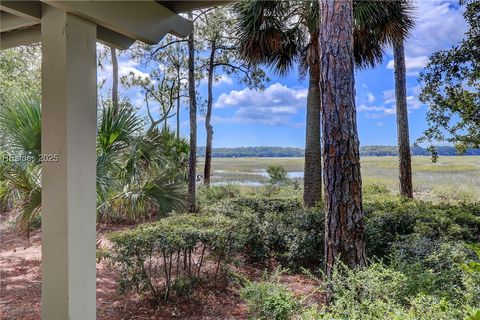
x: 267, y: 35
x: 139, y: 172
x: 405, y: 162
x: 389, y: 23
x: 284, y: 33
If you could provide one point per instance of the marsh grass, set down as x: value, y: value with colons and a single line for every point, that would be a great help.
x: 454, y: 178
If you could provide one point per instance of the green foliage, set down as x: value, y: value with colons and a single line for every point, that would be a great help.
x: 139, y: 173
x: 278, y: 228
x: 382, y: 292
x: 214, y: 194
x: 370, y: 293
x: 174, y: 252
x: 432, y: 267
x: 20, y: 123
x: 269, y: 300
x: 450, y: 88
x: 20, y: 72
x: 390, y: 219
x: 277, y: 175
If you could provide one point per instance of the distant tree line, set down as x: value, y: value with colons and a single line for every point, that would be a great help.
x: 376, y: 151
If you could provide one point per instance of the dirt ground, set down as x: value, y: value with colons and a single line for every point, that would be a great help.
x: 20, y: 287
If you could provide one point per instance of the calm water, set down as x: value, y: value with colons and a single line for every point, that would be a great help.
x: 249, y: 178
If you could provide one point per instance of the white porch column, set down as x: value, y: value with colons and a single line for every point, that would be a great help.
x: 69, y: 93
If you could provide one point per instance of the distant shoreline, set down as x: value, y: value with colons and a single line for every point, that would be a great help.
x: 292, y: 152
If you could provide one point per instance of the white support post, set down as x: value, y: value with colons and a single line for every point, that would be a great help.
x: 69, y: 94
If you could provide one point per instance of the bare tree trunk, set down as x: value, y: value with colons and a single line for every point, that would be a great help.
x: 312, y: 180
x: 178, y: 102
x: 192, y: 163
x: 208, y: 118
x: 344, y: 224
x: 113, y: 53
x: 405, y: 162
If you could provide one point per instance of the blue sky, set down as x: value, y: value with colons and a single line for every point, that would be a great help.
x: 276, y: 116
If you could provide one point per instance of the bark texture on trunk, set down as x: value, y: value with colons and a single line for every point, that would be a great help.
x: 113, y: 54
x: 208, y: 117
x: 178, y: 101
x: 312, y: 181
x: 192, y: 161
x: 405, y: 162
x: 344, y: 217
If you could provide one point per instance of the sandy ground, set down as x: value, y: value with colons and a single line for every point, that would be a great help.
x: 20, y: 287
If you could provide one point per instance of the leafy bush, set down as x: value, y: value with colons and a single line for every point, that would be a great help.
x: 174, y: 252
x: 277, y: 228
x: 268, y: 300
x: 381, y: 292
x: 214, y: 194
x: 389, y: 219
x: 277, y: 175
x: 434, y: 267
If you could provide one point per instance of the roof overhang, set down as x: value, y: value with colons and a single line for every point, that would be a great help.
x: 119, y: 23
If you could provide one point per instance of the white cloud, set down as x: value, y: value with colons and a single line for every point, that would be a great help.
x: 388, y: 107
x: 273, y: 106
x: 412, y: 63
x: 439, y: 24
x: 370, y: 97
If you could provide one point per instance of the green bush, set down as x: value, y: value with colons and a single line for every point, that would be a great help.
x: 390, y: 218
x: 381, y: 292
x: 214, y: 194
x: 277, y: 175
x: 277, y: 228
x: 174, y: 252
x: 269, y: 300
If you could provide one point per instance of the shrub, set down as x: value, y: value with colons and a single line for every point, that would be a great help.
x: 389, y: 219
x: 277, y: 175
x: 277, y: 228
x: 269, y: 300
x: 380, y: 292
x: 214, y: 194
x: 175, y: 251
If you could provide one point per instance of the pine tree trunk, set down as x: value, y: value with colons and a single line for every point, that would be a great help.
x: 113, y: 54
x: 405, y: 162
x: 344, y: 217
x: 178, y: 102
x: 312, y: 180
x: 208, y: 118
x: 192, y: 163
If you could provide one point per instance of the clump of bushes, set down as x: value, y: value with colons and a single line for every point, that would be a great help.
x: 383, y: 292
x: 278, y: 228
x: 390, y: 219
x: 173, y: 254
x: 269, y: 300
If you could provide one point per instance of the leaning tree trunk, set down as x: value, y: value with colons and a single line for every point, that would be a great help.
x: 208, y: 119
x: 192, y: 163
x: 113, y: 53
x: 344, y: 223
x: 404, y: 156
x: 312, y: 180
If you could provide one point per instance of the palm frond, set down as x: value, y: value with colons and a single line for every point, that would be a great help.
x: 20, y: 123
x: 378, y: 24
x: 269, y: 33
